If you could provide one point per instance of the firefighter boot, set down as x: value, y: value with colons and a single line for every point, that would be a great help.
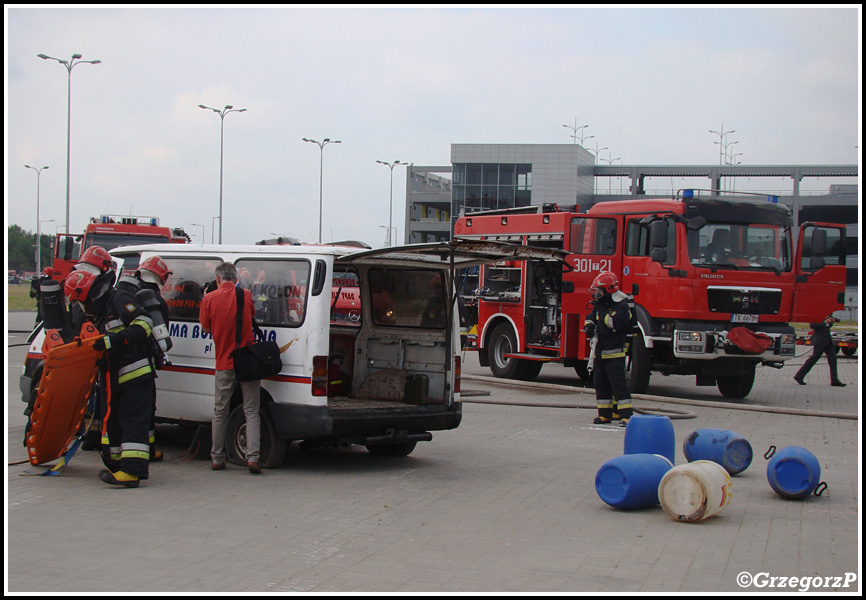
x: 119, y: 478
x: 605, y: 412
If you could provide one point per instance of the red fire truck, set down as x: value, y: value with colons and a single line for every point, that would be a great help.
x: 703, y: 272
x: 111, y: 231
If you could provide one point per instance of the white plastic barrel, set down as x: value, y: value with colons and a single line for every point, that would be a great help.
x: 695, y: 491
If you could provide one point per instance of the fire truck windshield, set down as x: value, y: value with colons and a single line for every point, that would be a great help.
x: 115, y: 240
x: 741, y: 246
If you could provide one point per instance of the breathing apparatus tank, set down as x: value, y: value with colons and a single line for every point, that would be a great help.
x: 150, y: 303
x: 52, y: 304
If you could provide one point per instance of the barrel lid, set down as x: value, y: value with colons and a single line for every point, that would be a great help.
x: 738, y: 456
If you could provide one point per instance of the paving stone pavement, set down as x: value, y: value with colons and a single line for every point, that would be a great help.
x: 505, y: 503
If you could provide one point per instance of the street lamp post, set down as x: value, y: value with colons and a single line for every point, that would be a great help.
x: 321, y: 146
x: 69, y: 66
x: 595, y: 162
x: 38, y: 222
x: 722, y: 134
x: 610, y: 162
x: 202, y: 230
x: 222, y: 113
x: 391, y: 201
x: 575, y: 130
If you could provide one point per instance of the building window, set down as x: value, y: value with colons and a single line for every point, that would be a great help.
x: 490, y: 186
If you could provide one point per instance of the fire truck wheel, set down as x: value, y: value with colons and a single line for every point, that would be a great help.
x: 737, y: 385
x: 582, y: 370
x: 639, y: 366
x: 848, y: 351
x: 272, y: 448
x: 504, y: 341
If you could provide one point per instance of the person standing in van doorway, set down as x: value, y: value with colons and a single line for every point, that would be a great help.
x: 822, y: 343
x: 218, y: 316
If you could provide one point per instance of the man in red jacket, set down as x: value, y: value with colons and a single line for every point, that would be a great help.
x: 218, y: 316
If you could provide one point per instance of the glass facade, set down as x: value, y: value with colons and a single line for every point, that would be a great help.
x: 490, y: 186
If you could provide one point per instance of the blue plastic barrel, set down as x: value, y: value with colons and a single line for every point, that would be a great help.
x: 631, y: 480
x: 650, y: 434
x: 721, y: 446
x: 793, y: 472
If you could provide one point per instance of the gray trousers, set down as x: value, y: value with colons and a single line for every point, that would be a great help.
x: 225, y: 386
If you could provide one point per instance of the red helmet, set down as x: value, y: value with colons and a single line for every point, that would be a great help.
x: 606, y: 281
x: 84, y: 286
x: 156, y: 266
x: 98, y: 257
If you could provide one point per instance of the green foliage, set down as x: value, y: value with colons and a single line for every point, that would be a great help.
x: 21, y: 250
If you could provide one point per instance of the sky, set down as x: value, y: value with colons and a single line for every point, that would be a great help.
x: 398, y: 83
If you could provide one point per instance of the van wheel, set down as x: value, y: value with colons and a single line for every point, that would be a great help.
x: 272, y: 449
x: 401, y: 449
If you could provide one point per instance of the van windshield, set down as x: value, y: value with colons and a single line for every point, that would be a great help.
x: 408, y: 298
x: 741, y: 246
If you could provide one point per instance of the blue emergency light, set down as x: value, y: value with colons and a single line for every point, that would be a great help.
x: 773, y: 199
x: 688, y: 193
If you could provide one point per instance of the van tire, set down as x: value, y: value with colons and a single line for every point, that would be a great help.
x: 272, y: 449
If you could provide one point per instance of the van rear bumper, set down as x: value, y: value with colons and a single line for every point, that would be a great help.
x: 299, y: 422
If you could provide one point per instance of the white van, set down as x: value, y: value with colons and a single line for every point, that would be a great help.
x: 375, y: 348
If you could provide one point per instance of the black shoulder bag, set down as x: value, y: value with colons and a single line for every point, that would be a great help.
x: 258, y: 360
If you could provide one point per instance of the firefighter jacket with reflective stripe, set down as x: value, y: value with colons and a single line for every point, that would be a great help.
x: 129, y: 328
x: 613, y: 321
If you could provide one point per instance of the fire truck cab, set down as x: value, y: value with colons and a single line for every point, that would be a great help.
x: 111, y: 231
x: 697, y: 269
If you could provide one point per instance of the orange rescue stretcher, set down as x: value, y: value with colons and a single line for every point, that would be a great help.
x: 61, y: 402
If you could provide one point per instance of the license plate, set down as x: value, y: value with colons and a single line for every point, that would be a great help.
x: 744, y: 318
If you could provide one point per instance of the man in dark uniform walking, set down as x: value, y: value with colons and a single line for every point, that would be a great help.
x: 822, y: 343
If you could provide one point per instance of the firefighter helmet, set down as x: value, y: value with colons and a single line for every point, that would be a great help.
x: 605, y: 281
x: 154, y: 270
x: 84, y: 286
x: 95, y: 256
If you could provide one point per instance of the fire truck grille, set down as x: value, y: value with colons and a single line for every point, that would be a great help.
x: 746, y: 301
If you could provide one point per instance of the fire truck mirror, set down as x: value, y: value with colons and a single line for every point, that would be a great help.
x: 69, y: 245
x: 658, y: 235
x: 659, y: 255
x: 819, y: 242
x: 816, y: 263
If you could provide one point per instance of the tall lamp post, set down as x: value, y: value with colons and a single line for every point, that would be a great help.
x: 202, y: 230
x: 38, y: 222
x: 222, y: 113
x: 321, y: 146
x: 575, y: 129
x: 70, y: 64
x: 722, y: 134
x: 391, y: 166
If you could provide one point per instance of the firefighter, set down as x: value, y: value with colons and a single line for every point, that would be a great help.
x: 128, y: 372
x: 153, y: 273
x: 610, y: 322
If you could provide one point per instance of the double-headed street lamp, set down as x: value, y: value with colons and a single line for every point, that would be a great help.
x: 391, y: 166
x: 38, y: 222
x: 321, y: 146
x: 575, y: 129
x: 70, y: 64
x: 222, y: 113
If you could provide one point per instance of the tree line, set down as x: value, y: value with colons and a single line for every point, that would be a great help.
x: 21, y: 249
